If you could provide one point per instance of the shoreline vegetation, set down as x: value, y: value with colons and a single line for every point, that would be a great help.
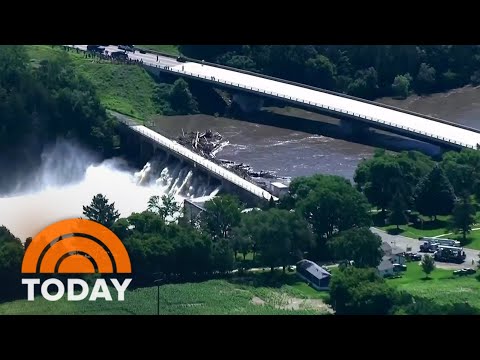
x: 69, y: 91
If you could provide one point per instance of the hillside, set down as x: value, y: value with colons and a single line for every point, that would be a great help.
x: 124, y: 88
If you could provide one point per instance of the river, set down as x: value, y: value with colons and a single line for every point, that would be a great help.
x: 290, y: 153
x: 68, y: 179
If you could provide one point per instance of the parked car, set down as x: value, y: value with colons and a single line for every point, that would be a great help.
x: 399, y: 267
x: 413, y: 256
x: 464, y: 271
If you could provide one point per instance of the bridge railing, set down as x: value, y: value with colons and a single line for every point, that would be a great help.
x: 310, y: 103
x: 214, y: 168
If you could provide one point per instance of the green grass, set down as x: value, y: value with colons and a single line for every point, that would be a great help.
x: 428, y: 229
x: 168, y: 49
x: 288, y: 282
x: 473, y: 239
x: 127, y: 89
x: 442, y: 287
x: 214, y: 297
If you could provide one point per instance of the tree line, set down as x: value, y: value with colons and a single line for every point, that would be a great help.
x: 398, y: 184
x: 40, y: 103
x: 368, y: 71
x: 323, y: 218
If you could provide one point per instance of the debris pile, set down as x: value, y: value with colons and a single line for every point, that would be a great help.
x: 202, y: 143
x: 206, y: 144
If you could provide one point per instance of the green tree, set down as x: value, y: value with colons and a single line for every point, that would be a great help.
x: 463, y: 216
x: 167, y: 209
x: 146, y: 222
x: 463, y: 170
x: 360, y: 245
x: 241, y: 240
x: 428, y: 264
x: 281, y: 236
x: 238, y: 61
x: 398, y: 208
x: 434, y: 194
x: 321, y: 71
x: 425, y: 78
x: 121, y: 228
x: 221, y: 215
x: 357, y: 291
x: 380, y: 177
x: 181, y: 99
x: 401, y: 85
x: 101, y: 211
x: 11, y: 256
x: 365, y: 84
x: 329, y: 204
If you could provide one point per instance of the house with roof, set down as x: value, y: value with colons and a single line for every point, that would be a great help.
x: 391, y: 255
x: 396, y: 254
x: 385, y: 268
x: 313, y: 274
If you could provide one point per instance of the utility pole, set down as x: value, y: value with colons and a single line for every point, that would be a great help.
x: 158, y: 281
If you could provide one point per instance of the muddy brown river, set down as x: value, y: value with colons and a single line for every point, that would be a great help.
x: 290, y: 153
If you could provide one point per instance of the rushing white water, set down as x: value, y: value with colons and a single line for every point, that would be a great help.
x: 68, y: 179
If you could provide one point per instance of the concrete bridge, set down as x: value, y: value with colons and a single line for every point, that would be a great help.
x: 370, y: 114
x: 230, y: 181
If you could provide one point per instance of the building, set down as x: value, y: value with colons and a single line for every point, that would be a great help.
x: 391, y: 255
x: 386, y: 267
x: 395, y: 253
x: 314, y: 275
x: 192, y: 210
x: 278, y: 189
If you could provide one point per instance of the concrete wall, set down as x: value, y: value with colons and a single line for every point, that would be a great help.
x: 140, y: 150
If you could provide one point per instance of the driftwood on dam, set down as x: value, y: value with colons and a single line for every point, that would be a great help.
x: 207, y: 142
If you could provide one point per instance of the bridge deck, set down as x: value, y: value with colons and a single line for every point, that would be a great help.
x: 210, y: 166
x: 356, y: 108
x: 368, y: 111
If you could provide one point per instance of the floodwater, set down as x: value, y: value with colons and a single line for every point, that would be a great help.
x: 68, y: 178
x: 290, y: 153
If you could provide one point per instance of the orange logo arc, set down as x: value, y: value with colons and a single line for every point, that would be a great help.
x: 76, y: 246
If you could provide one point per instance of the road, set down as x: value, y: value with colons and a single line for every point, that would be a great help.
x: 403, y: 242
x: 369, y: 112
x: 147, y: 58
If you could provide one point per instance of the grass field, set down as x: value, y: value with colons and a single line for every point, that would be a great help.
x: 443, y: 287
x: 431, y: 229
x: 127, y: 89
x: 168, y: 49
x: 214, y: 297
x: 473, y: 239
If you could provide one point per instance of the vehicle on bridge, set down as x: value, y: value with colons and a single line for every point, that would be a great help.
x: 181, y: 59
x: 120, y: 55
x: 127, y: 48
x: 95, y: 48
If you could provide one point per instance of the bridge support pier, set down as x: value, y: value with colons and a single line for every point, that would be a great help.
x: 352, y: 128
x: 248, y: 103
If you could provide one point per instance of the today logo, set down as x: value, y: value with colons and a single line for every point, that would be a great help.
x: 76, y: 246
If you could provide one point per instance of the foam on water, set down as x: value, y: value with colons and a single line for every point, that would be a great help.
x: 68, y: 179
